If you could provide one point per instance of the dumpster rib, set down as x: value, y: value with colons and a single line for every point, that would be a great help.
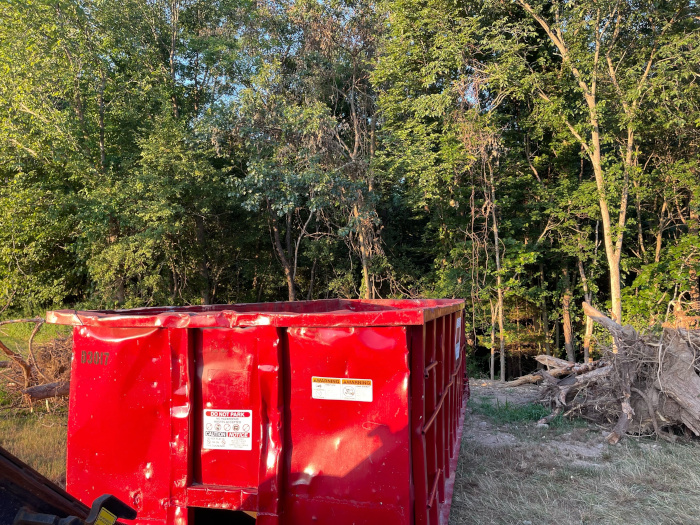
x: 434, y: 415
x: 433, y: 490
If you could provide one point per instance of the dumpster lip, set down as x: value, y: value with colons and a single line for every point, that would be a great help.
x: 318, y: 313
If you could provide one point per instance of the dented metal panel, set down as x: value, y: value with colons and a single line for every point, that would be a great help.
x: 338, y: 412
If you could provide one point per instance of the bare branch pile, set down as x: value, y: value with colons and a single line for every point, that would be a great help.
x: 645, y: 385
x: 40, y: 371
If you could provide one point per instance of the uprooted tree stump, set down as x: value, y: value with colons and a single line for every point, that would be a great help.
x: 648, y: 386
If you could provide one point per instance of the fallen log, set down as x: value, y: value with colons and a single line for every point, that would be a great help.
x: 529, y: 379
x: 553, y: 362
x: 57, y: 389
x: 571, y: 369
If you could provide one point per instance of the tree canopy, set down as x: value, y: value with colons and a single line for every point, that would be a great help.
x: 523, y: 155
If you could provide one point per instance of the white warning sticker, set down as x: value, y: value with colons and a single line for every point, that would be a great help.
x: 228, y: 429
x: 341, y: 389
x: 458, y: 337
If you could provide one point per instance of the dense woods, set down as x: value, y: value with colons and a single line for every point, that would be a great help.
x: 523, y: 155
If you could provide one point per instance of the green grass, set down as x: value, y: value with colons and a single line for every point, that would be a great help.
x: 38, y: 439
x: 16, y: 336
x: 503, y: 413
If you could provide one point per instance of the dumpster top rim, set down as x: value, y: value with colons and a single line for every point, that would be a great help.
x: 319, y: 313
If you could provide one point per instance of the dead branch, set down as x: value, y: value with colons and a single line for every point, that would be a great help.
x: 45, y: 391
x: 37, y: 327
x: 27, y: 320
x: 553, y: 362
x: 19, y: 360
x: 529, y: 379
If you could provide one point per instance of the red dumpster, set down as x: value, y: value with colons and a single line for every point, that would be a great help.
x: 334, y: 412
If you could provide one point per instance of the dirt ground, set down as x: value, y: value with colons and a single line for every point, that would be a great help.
x: 512, y: 471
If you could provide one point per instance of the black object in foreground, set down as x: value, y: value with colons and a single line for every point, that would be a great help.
x: 106, y: 510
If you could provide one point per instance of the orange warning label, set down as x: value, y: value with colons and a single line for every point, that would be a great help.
x: 329, y: 380
x: 365, y: 382
x: 341, y: 389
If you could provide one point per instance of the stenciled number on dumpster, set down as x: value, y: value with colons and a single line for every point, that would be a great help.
x: 94, y: 358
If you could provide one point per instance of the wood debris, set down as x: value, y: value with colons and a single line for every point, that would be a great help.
x: 649, y: 386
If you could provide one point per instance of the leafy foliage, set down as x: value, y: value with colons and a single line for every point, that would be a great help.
x: 197, y: 152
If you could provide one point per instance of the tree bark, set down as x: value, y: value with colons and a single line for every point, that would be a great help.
x: 45, y: 391
x: 492, y: 360
x: 103, y: 82
x: 499, y: 283
x: 545, y: 318
x: 174, y: 32
x: 663, y: 221
x: 364, y: 253
x: 26, y: 367
x: 284, y: 261
x: 589, y: 322
x: 566, y: 317
x: 203, y: 260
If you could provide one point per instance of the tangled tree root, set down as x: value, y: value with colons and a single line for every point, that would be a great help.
x: 645, y: 385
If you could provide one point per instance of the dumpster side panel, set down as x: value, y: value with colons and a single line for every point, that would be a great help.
x: 227, y: 377
x: 237, y: 420
x: 119, y: 423
x: 349, y: 446
x: 437, y: 396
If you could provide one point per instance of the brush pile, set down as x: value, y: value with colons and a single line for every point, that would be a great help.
x: 645, y: 385
x: 42, y: 371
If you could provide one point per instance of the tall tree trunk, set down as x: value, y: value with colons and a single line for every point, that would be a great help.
x: 663, y: 221
x: 520, y: 347
x: 612, y: 234
x: 492, y: 361
x: 566, y: 318
x: 364, y: 253
x: 589, y: 322
x: 638, y: 205
x: 501, y: 337
x: 121, y: 291
x: 174, y: 31
x: 499, y: 283
x: 284, y: 261
x: 613, y: 246
x: 545, y: 317
x: 203, y: 260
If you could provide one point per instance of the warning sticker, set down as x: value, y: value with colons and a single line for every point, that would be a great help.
x: 458, y: 337
x: 228, y: 429
x: 341, y: 389
x: 105, y: 517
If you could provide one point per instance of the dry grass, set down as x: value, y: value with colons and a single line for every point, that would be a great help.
x: 38, y: 439
x: 36, y: 436
x: 515, y: 473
